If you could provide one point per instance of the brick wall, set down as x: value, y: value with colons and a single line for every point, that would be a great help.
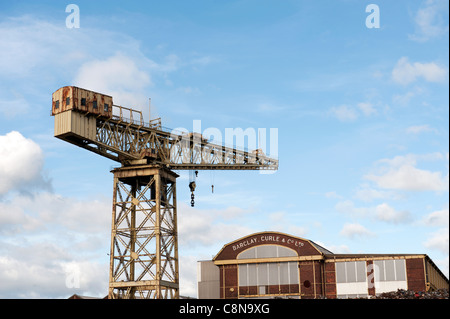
x: 415, y: 274
x: 310, y: 279
x: 228, y: 282
x: 330, y: 280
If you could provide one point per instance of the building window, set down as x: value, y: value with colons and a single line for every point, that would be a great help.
x: 83, y: 101
x: 57, y: 104
x: 94, y: 104
x: 262, y: 277
x: 268, y: 274
x: 351, y: 279
x: 267, y: 251
x: 390, y: 270
x: 67, y: 101
x: 106, y: 107
x: 351, y: 271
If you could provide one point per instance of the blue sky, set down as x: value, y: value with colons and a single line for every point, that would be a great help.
x: 362, y: 119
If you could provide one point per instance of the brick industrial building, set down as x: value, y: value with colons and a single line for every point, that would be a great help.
x: 274, y: 265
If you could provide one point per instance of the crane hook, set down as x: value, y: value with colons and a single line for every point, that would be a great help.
x: 192, y: 186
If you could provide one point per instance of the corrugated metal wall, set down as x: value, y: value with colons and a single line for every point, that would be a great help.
x: 74, y: 123
x: 208, y: 280
x: 74, y: 98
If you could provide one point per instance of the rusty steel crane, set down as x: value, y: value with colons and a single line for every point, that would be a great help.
x: 144, y: 240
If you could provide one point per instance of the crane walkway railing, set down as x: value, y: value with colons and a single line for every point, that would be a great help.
x: 134, y: 117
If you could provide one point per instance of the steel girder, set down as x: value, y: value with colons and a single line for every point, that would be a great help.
x: 123, y: 142
x: 144, y: 239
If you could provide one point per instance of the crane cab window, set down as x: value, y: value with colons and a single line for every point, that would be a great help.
x: 94, y: 104
x: 57, y: 104
x: 67, y: 100
x: 106, y: 108
x: 83, y: 101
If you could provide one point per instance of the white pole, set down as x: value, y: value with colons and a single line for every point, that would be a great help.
x: 149, y: 109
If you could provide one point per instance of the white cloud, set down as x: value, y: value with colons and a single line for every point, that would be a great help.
x: 22, y: 48
x: 382, y: 212
x: 41, y: 232
x: 439, y: 241
x: 295, y: 230
x: 29, y: 44
x: 367, y: 108
x: 429, y: 20
x: 443, y: 265
x: 34, y: 49
x: 204, y: 60
x: 408, y: 177
x: 23, y: 278
x: 368, y: 194
x: 355, y: 230
x: 21, y: 164
x: 332, y: 194
x: 171, y: 63
x: 127, y: 77
x: 401, y: 173
x: 206, y: 227
x: 96, y: 59
x: 348, y: 207
x: 350, y: 113
x: 118, y: 76
x: 13, y: 105
x: 344, y: 113
x: 14, y: 219
x: 188, y: 275
x: 47, y: 272
x: 47, y: 239
x: 386, y: 213
x: 280, y: 221
x: 417, y: 129
x: 189, y: 90
x: 405, y: 98
x: 405, y: 73
x: 437, y: 218
x: 269, y: 108
x: 40, y: 213
x: 338, y: 249
x: 117, y: 72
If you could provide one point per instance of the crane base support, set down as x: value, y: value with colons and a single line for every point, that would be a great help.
x: 144, y: 239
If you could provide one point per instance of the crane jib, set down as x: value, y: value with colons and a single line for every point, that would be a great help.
x: 130, y: 139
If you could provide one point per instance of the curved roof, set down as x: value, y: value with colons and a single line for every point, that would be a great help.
x: 302, y: 246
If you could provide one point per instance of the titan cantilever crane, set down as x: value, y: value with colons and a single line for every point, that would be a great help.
x: 144, y: 240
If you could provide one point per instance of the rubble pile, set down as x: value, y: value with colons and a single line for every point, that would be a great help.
x: 409, y: 294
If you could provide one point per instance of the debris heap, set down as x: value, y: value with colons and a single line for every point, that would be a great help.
x: 409, y: 294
